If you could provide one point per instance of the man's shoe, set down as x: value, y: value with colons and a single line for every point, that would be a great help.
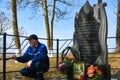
x: 39, y: 76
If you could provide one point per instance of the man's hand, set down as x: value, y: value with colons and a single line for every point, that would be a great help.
x: 28, y: 64
x: 14, y: 57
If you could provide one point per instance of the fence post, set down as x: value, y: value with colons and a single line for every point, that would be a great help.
x: 4, y: 56
x: 57, y: 52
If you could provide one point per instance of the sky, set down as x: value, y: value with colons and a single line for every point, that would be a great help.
x: 64, y: 29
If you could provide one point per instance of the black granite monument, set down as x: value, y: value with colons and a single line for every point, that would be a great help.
x: 90, y: 36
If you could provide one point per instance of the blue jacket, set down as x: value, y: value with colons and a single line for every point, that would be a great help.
x: 40, y: 54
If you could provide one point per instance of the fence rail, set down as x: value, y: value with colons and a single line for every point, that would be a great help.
x: 59, y: 45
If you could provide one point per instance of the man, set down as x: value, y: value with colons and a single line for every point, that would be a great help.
x: 36, y: 59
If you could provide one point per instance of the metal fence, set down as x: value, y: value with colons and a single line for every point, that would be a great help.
x: 7, y: 47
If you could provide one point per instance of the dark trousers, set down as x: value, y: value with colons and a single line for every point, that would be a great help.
x: 35, y: 71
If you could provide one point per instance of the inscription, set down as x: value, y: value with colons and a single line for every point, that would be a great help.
x: 87, y: 29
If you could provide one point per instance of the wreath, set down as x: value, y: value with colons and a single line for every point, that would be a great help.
x: 72, y: 50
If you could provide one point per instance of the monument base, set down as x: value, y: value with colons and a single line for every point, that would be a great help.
x: 105, y: 71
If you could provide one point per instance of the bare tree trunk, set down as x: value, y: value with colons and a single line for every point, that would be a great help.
x: 15, y: 26
x: 46, y: 23
x: 118, y: 28
x: 52, y: 21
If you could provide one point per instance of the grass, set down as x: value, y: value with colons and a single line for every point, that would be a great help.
x: 11, y: 65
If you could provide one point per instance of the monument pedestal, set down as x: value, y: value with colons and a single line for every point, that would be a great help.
x: 106, y: 72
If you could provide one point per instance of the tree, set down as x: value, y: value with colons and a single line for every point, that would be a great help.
x: 118, y: 28
x: 51, y: 10
x: 4, y: 26
x: 15, y: 25
x: 4, y: 23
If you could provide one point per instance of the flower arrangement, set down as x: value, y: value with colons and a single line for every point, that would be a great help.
x: 66, y: 68
x: 94, y: 73
x: 69, y: 56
